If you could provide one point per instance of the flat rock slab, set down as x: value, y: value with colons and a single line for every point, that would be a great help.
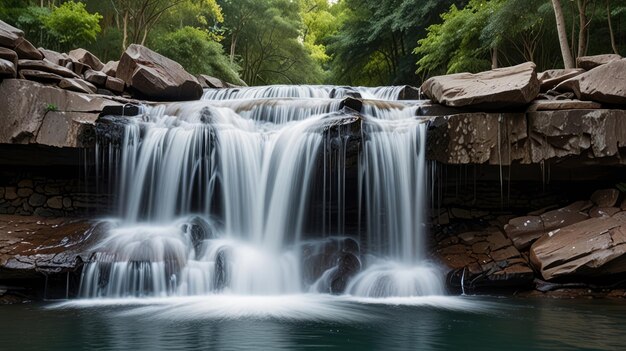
x: 551, y: 78
x: 495, y: 89
x: 593, y: 247
x: 554, y: 105
x: 590, y: 62
x: 30, y: 245
x: 605, y: 84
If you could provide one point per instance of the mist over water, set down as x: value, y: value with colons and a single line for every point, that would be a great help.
x: 221, y: 197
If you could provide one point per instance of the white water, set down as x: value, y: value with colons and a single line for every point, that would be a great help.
x: 216, y: 196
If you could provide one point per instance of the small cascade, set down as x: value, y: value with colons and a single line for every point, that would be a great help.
x: 266, y: 191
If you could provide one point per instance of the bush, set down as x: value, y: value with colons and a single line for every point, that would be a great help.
x: 73, y: 25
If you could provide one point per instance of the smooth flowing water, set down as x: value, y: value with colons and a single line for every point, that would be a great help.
x: 223, y: 322
x: 226, y: 195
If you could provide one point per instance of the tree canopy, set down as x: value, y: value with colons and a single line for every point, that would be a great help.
x: 356, y: 42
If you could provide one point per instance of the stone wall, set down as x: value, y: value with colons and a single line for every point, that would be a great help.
x: 47, y: 197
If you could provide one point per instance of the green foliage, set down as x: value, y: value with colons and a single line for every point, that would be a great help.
x: 72, y: 24
x: 194, y: 49
x: 265, y: 38
x: 51, y: 107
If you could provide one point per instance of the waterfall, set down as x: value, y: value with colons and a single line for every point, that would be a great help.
x: 266, y: 191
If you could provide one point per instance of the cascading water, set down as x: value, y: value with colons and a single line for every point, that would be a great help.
x: 222, y: 195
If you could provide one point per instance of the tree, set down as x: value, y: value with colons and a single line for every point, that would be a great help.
x: 194, y: 49
x: 265, y: 39
x: 72, y: 24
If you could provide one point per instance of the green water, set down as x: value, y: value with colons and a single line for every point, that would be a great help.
x: 316, y: 323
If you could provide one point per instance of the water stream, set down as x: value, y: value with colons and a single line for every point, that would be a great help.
x: 267, y: 191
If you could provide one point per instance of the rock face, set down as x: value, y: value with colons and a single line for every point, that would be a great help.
x: 590, y: 62
x: 156, y: 77
x: 46, y: 66
x: 499, y: 88
x: 7, y: 69
x: 485, y: 259
x: 593, y: 247
x: 33, y: 113
x: 606, y: 84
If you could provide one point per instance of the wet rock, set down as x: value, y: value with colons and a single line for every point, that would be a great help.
x: 110, y: 68
x: 502, y: 87
x: 85, y: 57
x: 605, y: 197
x: 409, y: 93
x: 352, y: 103
x: 593, y: 247
x: 596, y: 211
x: 551, y: 78
x: 483, y: 260
x: 77, y: 85
x: 348, y: 266
x: 7, y: 69
x: 606, y: 84
x: 323, y: 255
x: 153, y: 76
x: 340, y: 92
x: 590, y: 62
x: 46, y: 66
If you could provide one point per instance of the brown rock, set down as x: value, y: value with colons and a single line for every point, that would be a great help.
x: 39, y: 76
x: 551, y: 78
x: 77, y: 85
x: 54, y: 57
x: 9, y: 55
x: 110, y: 68
x: 9, y: 35
x: 589, y: 248
x: 26, y: 50
x: 590, y: 62
x: 605, y: 197
x: 85, y: 57
x: 596, y: 211
x: 115, y: 85
x: 154, y: 76
x: 66, y: 129
x: 46, y: 66
x: 606, y: 84
x: 551, y: 105
x: 565, y: 216
x: 7, y: 69
x: 502, y: 87
x: 96, y: 77
x: 524, y: 230
x: 55, y: 202
x: 25, y: 108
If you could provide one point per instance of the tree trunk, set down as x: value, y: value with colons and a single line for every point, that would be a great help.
x: 611, y: 34
x: 125, y: 39
x: 494, y: 58
x: 582, y: 28
x: 568, y: 61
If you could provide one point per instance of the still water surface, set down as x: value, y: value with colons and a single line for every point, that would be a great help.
x: 315, y: 322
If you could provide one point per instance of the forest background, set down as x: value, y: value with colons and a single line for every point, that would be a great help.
x: 342, y: 42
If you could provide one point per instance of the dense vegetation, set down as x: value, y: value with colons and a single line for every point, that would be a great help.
x: 356, y: 42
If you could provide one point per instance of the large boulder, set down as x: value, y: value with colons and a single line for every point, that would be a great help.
x: 153, y: 76
x: 110, y: 68
x: 85, y: 57
x: 9, y: 55
x: 606, y: 84
x: 498, y: 88
x: 13, y: 38
x: 593, y: 247
x: 590, y: 62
